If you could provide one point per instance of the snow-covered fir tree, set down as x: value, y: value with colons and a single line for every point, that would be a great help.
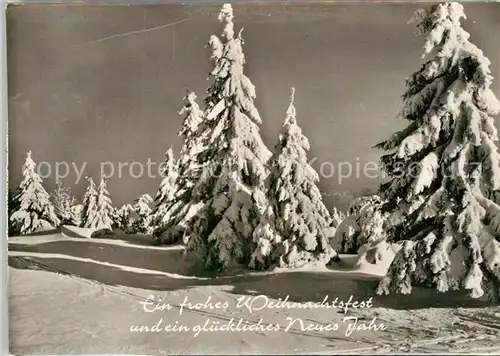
x: 180, y: 206
x: 300, y: 218
x: 63, y: 203
x: 89, y: 204
x: 76, y: 212
x: 141, y: 215
x: 444, y: 210
x: 164, y: 199
x: 34, y: 210
x: 231, y: 188
x: 122, y: 218
x: 192, y: 141
x: 97, y: 207
x: 104, y: 213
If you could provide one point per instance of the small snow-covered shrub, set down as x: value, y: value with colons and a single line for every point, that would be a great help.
x: 140, y: 216
x: 345, y: 238
x: 365, y: 224
x: 64, y: 204
x: 122, y: 217
x: 102, y: 233
x: 169, y: 235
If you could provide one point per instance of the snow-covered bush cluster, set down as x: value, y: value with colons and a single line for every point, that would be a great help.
x: 122, y: 217
x: 135, y: 219
x: 364, y: 224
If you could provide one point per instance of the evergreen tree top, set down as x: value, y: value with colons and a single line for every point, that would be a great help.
x: 450, y: 93
x: 169, y: 163
x: 290, y: 133
x: 193, y: 116
x: 226, y: 16
x: 144, y: 198
x: 290, y: 111
x: 29, y: 173
x: 441, y: 27
x: 445, y: 163
x: 231, y: 87
x: 169, y: 156
x: 103, y: 186
x: 29, y: 163
x: 91, y: 181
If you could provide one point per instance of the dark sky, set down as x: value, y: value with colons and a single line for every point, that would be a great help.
x: 75, y: 100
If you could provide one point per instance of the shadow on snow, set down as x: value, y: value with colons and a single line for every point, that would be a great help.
x: 300, y: 286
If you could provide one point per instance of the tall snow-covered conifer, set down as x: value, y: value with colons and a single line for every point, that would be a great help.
x: 301, y: 220
x: 181, y: 207
x: 97, y: 207
x: 444, y: 208
x: 105, y: 210
x: 34, y: 207
x: 164, y: 199
x: 231, y: 187
x: 89, y: 204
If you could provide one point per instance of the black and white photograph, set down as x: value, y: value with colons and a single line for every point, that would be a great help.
x: 253, y: 178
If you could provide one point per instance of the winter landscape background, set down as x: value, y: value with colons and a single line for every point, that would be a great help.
x: 245, y: 234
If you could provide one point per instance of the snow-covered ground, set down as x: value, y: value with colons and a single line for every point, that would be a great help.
x: 72, y: 295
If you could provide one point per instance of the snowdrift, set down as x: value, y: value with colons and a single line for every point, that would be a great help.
x: 45, y: 227
x: 79, y: 232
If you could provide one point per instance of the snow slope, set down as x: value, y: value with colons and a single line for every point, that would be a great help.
x: 74, y: 231
x: 81, y: 296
